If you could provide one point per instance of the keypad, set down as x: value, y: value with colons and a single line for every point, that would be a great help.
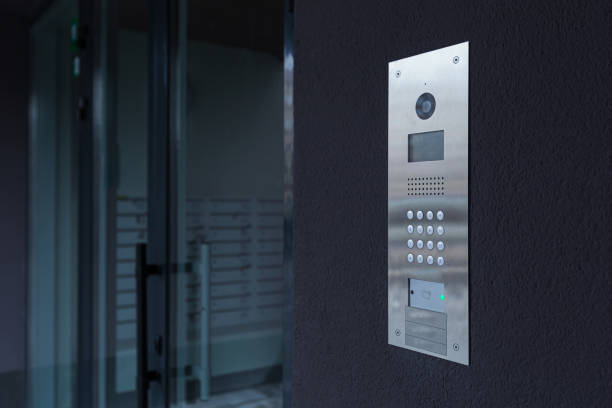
x: 433, y: 227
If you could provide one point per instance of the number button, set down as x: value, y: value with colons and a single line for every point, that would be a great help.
x: 440, y: 261
x: 430, y: 230
x: 420, y: 244
x: 410, y: 229
x: 419, y: 229
x: 410, y: 258
x: 420, y: 215
x: 440, y: 215
x: 429, y: 215
x: 410, y: 243
x: 440, y: 246
x: 440, y: 230
x: 420, y: 258
x: 430, y: 260
x: 430, y: 245
x: 410, y: 214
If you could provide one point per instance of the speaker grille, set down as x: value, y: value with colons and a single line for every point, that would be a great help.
x: 426, y: 186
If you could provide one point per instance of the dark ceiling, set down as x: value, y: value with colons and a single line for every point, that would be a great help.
x: 27, y: 9
x: 252, y: 24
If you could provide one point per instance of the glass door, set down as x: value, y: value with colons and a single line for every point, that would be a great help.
x: 130, y: 200
x: 228, y: 293
x: 189, y: 150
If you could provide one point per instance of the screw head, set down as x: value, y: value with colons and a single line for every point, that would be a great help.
x: 455, y: 59
x: 398, y: 73
x: 397, y: 332
x: 456, y: 347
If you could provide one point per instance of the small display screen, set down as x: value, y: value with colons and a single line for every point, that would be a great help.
x: 426, y: 146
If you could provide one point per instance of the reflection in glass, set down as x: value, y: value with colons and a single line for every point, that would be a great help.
x: 228, y: 300
x: 53, y: 202
x: 121, y: 92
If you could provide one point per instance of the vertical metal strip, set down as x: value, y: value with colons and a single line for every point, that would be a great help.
x: 107, y: 165
x: 177, y: 71
x: 158, y: 196
x: 288, y: 137
x: 82, y: 101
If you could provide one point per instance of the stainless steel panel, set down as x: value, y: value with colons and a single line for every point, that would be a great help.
x: 421, y: 316
x: 440, y: 185
x: 422, y: 345
x: 426, y: 332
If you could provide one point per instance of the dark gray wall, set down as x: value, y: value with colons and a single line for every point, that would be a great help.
x: 13, y: 207
x: 540, y: 204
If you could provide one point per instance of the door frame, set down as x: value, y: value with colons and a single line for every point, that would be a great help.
x: 288, y: 140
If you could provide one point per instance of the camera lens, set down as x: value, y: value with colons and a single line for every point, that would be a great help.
x: 425, y: 106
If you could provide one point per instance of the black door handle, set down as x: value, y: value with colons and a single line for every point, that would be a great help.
x: 144, y: 376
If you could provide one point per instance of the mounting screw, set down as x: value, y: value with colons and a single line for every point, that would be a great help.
x: 456, y: 347
x: 455, y: 59
x: 397, y: 332
x: 398, y: 73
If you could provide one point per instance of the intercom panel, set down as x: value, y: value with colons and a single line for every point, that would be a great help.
x: 428, y: 228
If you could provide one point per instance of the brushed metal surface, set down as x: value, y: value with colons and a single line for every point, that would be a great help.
x: 422, y: 316
x: 444, y: 74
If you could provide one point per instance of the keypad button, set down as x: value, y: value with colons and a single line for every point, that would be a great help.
x: 410, y: 229
x: 440, y: 215
x: 440, y: 246
x: 429, y: 215
x: 430, y: 260
x: 419, y: 215
x: 440, y: 261
x: 420, y: 244
x: 430, y: 230
x: 420, y: 258
x: 430, y: 245
x: 410, y: 258
x: 440, y: 230
x: 410, y: 243
x: 419, y: 229
x: 409, y: 214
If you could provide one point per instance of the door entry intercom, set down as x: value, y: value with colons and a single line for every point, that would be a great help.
x: 428, y: 203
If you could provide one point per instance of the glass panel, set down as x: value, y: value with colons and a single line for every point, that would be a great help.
x: 120, y: 131
x: 227, y: 301
x: 52, y: 213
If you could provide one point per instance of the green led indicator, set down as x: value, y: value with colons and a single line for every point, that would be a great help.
x: 442, y: 297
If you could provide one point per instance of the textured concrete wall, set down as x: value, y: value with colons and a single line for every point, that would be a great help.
x: 13, y: 207
x: 541, y: 170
